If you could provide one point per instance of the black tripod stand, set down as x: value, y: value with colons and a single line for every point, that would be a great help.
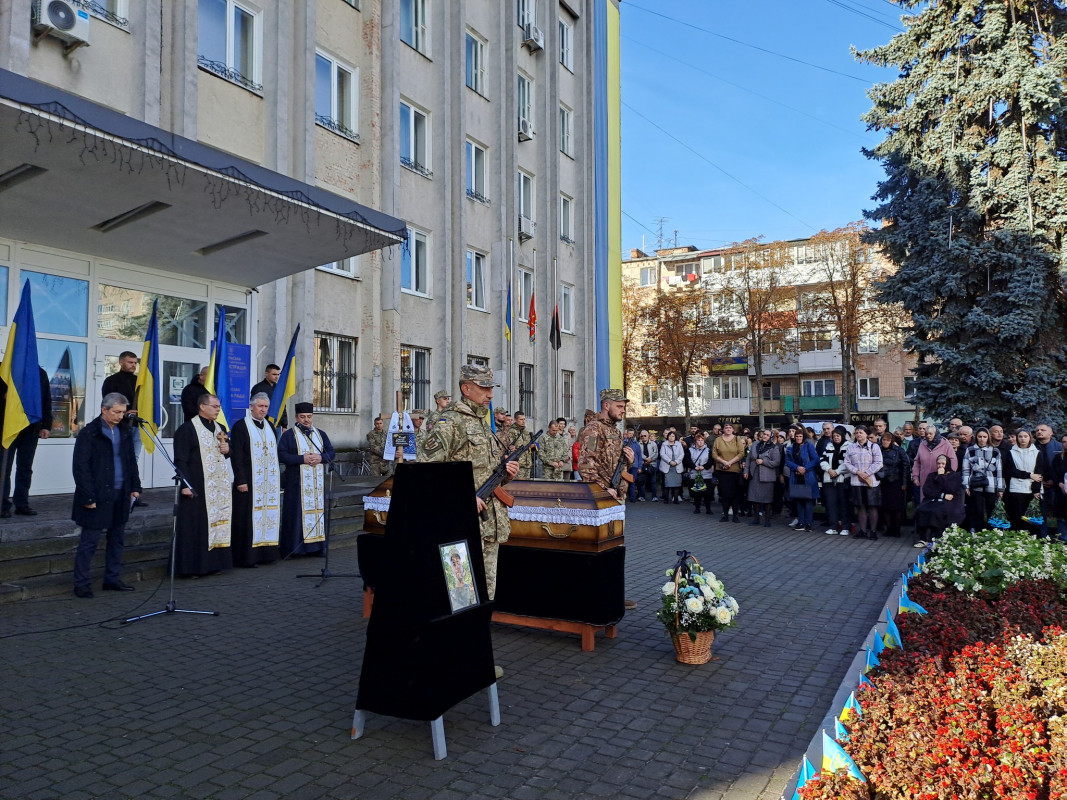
x: 172, y: 607
x: 325, y: 574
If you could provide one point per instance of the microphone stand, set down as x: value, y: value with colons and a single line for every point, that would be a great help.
x: 324, y: 574
x: 171, y: 607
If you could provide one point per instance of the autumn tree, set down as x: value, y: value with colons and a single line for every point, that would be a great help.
x: 631, y: 334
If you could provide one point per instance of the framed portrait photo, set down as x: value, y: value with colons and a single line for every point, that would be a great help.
x: 459, y: 578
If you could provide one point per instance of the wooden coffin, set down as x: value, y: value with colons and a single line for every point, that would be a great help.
x: 376, y: 506
x: 565, y: 515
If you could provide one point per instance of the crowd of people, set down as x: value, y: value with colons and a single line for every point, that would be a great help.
x: 867, y: 481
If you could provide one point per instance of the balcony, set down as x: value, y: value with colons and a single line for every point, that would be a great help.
x: 826, y: 402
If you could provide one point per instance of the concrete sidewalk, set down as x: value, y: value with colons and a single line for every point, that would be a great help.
x: 257, y: 702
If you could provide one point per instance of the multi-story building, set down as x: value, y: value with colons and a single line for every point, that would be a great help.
x: 374, y: 172
x: 801, y: 365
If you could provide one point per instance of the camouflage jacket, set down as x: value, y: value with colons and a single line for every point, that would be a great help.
x: 376, y: 440
x: 520, y: 437
x: 555, y: 448
x: 421, y: 435
x: 600, y: 446
x: 463, y: 434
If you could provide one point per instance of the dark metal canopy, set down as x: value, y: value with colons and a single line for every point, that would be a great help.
x: 78, y: 176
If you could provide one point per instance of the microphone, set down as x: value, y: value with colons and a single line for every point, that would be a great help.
x: 137, y: 420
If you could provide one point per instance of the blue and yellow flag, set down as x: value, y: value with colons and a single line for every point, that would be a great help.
x: 834, y: 758
x: 909, y: 605
x: 877, y: 644
x: 218, y: 372
x: 872, y: 660
x: 149, y: 407
x: 892, y: 632
x: 286, y: 387
x: 21, y: 372
x: 507, y: 316
x: 840, y: 731
x: 807, y: 773
x: 852, y: 708
x: 492, y: 417
x: 865, y: 683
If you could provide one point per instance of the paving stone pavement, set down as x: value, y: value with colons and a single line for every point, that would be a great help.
x: 257, y: 702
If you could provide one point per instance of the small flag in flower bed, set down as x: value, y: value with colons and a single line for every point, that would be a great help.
x: 892, y: 632
x: 852, y: 707
x: 909, y: 605
x: 807, y: 773
x: 865, y: 683
x: 999, y: 518
x: 1034, y: 515
x: 834, y: 758
x: 877, y: 644
x: 840, y: 731
x: 872, y: 660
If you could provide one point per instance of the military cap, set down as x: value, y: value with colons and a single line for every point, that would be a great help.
x: 418, y: 414
x: 479, y: 376
x: 616, y: 395
x: 441, y: 394
x: 500, y: 412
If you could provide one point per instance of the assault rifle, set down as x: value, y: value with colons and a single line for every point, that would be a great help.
x: 620, y: 475
x: 494, y: 483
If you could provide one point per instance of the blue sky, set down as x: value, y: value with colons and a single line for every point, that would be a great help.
x: 789, y: 132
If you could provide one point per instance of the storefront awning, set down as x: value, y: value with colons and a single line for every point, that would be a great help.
x: 81, y: 177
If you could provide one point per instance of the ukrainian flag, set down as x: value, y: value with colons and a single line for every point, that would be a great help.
x: 892, y: 632
x: 872, y: 660
x: 507, y: 316
x: 149, y: 406
x: 907, y: 604
x: 840, y: 731
x: 492, y: 417
x: 21, y: 372
x: 807, y: 773
x: 218, y: 372
x: 877, y: 644
x: 852, y: 707
x: 286, y: 387
x: 834, y: 758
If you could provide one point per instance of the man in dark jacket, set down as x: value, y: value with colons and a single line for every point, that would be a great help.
x: 106, y: 484
x: 22, y: 452
x: 192, y: 393
x: 125, y: 383
x: 267, y: 386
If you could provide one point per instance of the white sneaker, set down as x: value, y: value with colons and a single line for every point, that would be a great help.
x: 831, y: 532
x: 793, y: 524
x: 843, y: 531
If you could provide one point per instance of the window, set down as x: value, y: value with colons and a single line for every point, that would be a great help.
x: 525, y: 195
x: 526, y: 290
x: 696, y: 390
x: 60, y: 305
x: 477, y: 361
x: 527, y: 12
x: 566, y: 308
x: 228, y: 39
x: 349, y: 267
x: 729, y: 387
x: 414, y: 377
x: 526, y: 388
x: 476, y: 280
x: 236, y: 324
x: 826, y: 388
x: 335, y: 96
x: 868, y: 343
x: 414, y: 144
x: 815, y: 340
x: 566, y: 231
x: 334, y: 376
x: 415, y: 263
x: 566, y: 127
x: 476, y: 172
x: 113, y: 12
x: 567, y: 389
x: 475, y: 63
x: 649, y: 395
x: 772, y: 390
x: 868, y: 388
x: 413, y: 24
x: 525, y: 104
x: 566, y: 45
x: 648, y: 276
x: 909, y: 386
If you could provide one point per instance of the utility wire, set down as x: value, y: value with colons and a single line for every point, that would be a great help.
x: 643, y: 225
x: 747, y: 44
x: 703, y: 157
x: 743, y: 88
x: 865, y: 15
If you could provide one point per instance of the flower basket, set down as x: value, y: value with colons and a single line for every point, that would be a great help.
x: 688, y: 651
x: 695, y: 606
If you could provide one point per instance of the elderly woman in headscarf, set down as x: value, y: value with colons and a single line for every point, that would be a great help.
x: 942, y: 503
x: 929, y: 449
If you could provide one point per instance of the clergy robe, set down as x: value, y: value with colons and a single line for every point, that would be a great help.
x: 295, y: 522
x: 194, y: 556
x: 244, y: 443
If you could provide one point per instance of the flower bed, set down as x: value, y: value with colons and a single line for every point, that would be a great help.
x: 975, y: 705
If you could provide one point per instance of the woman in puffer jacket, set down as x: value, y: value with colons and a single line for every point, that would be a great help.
x: 835, y: 484
x: 926, y: 456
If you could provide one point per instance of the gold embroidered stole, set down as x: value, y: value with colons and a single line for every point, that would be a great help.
x: 217, y: 487
x: 266, y: 483
x: 312, y: 491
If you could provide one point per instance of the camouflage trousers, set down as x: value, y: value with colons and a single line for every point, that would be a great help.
x: 553, y: 474
x: 490, y: 554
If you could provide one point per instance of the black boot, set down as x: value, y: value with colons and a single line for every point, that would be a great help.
x: 725, y: 517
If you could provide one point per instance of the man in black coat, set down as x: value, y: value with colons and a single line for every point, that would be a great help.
x: 267, y: 386
x: 106, y: 484
x: 191, y: 395
x: 22, y: 452
x: 125, y: 383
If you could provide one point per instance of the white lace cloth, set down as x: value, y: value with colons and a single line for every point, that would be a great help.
x: 375, y: 503
x: 555, y: 515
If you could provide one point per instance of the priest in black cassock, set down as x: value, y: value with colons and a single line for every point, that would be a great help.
x: 256, y: 486
x: 305, y: 450
x: 201, y: 449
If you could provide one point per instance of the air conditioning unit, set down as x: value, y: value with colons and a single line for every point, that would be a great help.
x: 525, y: 130
x: 526, y: 227
x: 533, y: 38
x: 62, y: 19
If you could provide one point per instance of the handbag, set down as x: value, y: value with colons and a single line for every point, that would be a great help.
x: 800, y: 491
x: 979, y: 480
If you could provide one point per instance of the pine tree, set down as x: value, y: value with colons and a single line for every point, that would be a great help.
x: 974, y: 203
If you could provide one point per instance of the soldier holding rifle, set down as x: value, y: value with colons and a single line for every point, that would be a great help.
x: 601, y: 444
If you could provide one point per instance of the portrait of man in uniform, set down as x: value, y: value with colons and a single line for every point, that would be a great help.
x: 456, y: 562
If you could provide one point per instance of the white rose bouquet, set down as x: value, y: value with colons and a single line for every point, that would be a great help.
x: 694, y: 600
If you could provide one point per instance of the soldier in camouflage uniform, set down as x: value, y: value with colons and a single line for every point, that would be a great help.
x: 520, y: 437
x: 463, y: 434
x: 418, y: 418
x: 601, y: 443
x: 376, y: 446
x: 555, y: 453
x: 442, y: 398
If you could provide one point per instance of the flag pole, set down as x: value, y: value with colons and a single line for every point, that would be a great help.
x: 555, y: 351
x: 3, y: 472
x: 514, y: 317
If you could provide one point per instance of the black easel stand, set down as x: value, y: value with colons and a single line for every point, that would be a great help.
x: 324, y: 574
x: 172, y: 607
